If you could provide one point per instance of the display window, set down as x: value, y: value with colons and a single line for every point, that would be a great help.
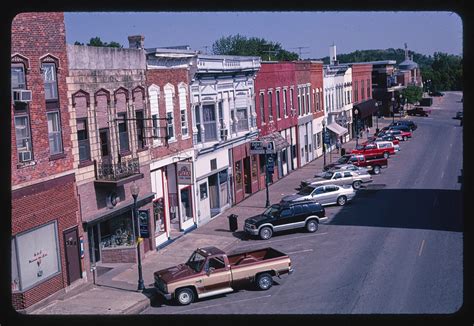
x: 159, y: 216
x: 117, y: 232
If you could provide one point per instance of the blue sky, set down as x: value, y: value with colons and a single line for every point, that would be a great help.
x: 425, y: 32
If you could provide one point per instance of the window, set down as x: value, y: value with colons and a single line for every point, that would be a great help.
x: 270, y: 111
x: 54, y: 133
x: 50, y: 82
x: 318, y: 191
x: 285, y: 109
x: 153, y: 92
x: 308, y: 104
x: 262, y: 113
x: 18, y: 76
x: 221, y: 116
x: 291, y: 98
x: 123, y: 133
x: 277, y: 94
x: 356, y: 91
x: 83, y: 140
x: 169, y: 112
x: 209, y: 122
x: 362, y: 92
x: 182, y: 108
x: 158, y: 213
x: 198, y: 123
x: 337, y: 176
x: 368, y: 88
x: 243, y: 123
x: 299, y: 101
x: 104, y: 142
x: 23, y: 138
x: 203, y: 190
x: 216, y: 263
x: 319, y: 136
x: 140, y: 129
x: 346, y: 175
x: 170, y: 125
x: 298, y: 209
x: 155, y: 126
x: 285, y: 213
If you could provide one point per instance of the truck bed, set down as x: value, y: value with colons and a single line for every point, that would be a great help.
x: 239, y: 259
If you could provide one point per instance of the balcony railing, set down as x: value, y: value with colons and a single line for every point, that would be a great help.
x: 117, y: 171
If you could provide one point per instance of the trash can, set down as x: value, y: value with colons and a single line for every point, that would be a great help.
x: 232, y: 222
x: 343, y: 151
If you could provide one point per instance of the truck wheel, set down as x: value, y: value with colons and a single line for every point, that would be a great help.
x: 266, y: 233
x: 185, y: 296
x: 405, y: 138
x: 341, y: 200
x: 312, y: 226
x: 356, y: 184
x: 264, y: 281
x: 376, y: 169
x: 386, y: 154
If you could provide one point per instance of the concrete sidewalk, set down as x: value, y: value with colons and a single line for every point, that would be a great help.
x: 115, y: 291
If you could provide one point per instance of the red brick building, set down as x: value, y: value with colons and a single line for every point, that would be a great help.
x: 275, y: 103
x: 364, y: 105
x: 317, y: 106
x: 46, y: 252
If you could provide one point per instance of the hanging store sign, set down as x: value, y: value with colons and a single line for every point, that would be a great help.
x: 257, y: 147
x: 184, y: 173
x: 143, y: 217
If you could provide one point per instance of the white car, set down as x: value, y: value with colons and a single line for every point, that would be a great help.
x: 325, y: 195
x: 350, y: 167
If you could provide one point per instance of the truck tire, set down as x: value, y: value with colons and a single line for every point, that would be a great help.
x: 312, y: 226
x: 376, y: 169
x: 265, y: 233
x: 185, y: 296
x: 356, y: 184
x: 341, y: 200
x: 386, y: 155
x: 264, y: 281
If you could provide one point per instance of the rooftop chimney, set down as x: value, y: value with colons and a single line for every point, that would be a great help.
x: 332, y: 54
x: 136, y: 42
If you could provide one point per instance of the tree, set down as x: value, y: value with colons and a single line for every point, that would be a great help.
x: 253, y: 46
x: 96, y: 41
x: 412, y: 94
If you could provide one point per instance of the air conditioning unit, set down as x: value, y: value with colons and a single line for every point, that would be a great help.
x: 25, y: 156
x: 21, y: 95
x: 224, y: 134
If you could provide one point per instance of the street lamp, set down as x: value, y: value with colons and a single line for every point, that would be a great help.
x: 356, y: 120
x: 324, y: 143
x: 265, y: 144
x: 134, y: 190
x: 401, y: 103
x: 393, y: 109
x: 377, y: 110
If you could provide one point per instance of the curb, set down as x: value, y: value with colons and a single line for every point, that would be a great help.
x: 137, y: 307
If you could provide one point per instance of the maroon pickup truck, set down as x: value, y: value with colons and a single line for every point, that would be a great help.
x: 374, y: 165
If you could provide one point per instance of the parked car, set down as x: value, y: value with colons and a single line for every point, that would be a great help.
x: 400, y: 127
x: 408, y: 123
x: 325, y: 195
x: 350, y: 167
x: 388, y: 137
x: 284, y: 216
x: 419, y: 111
x: 339, y: 178
x: 459, y: 115
x: 374, y: 150
x: 399, y: 134
x: 342, y: 160
x: 210, y: 271
x: 373, y: 165
x: 435, y: 93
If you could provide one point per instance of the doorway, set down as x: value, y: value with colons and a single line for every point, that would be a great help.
x: 73, y: 261
x: 214, y: 195
x: 247, y: 178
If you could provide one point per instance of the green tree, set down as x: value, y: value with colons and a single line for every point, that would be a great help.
x: 96, y: 41
x: 412, y: 94
x: 253, y: 46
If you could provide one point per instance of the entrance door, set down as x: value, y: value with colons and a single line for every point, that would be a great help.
x: 247, y: 179
x: 73, y: 261
x: 214, y: 195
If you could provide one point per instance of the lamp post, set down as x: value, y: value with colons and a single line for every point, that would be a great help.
x: 356, y: 120
x: 134, y: 190
x: 393, y: 109
x: 377, y: 110
x: 265, y: 144
x: 324, y: 143
x: 402, y: 103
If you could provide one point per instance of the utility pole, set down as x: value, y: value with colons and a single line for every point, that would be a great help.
x: 299, y: 51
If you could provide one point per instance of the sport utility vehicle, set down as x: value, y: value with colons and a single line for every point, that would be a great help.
x: 408, y: 123
x: 286, y: 216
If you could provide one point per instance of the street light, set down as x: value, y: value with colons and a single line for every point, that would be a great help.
x: 134, y: 190
x: 377, y: 110
x: 356, y: 114
x: 393, y: 109
x: 265, y: 144
x: 324, y: 143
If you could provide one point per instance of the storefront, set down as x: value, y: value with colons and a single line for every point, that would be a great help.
x: 245, y: 172
x: 280, y: 157
x: 363, y: 113
x: 336, y: 133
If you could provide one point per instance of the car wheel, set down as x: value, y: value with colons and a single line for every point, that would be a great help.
x: 386, y: 155
x: 312, y: 226
x: 376, y: 169
x: 185, y: 296
x: 266, y: 233
x: 264, y: 281
x: 405, y: 138
x: 341, y: 200
x: 356, y: 184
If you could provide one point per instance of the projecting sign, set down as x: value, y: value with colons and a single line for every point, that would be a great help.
x: 256, y: 147
x: 184, y: 173
x: 143, y: 216
x: 270, y: 165
x: 326, y: 138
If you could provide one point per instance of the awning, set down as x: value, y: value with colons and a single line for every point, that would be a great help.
x: 337, y: 129
x: 365, y: 109
x: 280, y: 142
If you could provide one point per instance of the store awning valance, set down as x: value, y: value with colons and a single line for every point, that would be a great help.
x: 280, y: 142
x: 337, y: 129
x: 365, y: 109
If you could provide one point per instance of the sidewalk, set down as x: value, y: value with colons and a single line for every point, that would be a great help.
x: 115, y: 291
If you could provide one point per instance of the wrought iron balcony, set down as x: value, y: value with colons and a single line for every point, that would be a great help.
x: 118, y: 173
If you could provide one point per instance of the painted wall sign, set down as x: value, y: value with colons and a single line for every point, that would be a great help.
x: 184, y: 173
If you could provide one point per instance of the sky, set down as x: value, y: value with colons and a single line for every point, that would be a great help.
x: 425, y: 32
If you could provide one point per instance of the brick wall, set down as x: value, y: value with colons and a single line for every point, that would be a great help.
x: 122, y: 255
x: 317, y: 83
x: 361, y: 73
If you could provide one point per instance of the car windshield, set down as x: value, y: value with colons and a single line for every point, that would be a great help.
x: 327, y: 175
x: 196, y: 261
x: 306, y: 191
x: 271, y: 211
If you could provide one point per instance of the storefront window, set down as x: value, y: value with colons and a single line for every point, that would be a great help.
x: 117, y: 232
x: 238, y: 174
x: 186, y: 207
x: 159, y: 215
x: 203, y: 190
x: 254, y: 166
x: 223, y: 176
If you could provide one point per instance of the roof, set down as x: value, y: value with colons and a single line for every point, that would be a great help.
x: 381, y: 62
x: 408, y: 64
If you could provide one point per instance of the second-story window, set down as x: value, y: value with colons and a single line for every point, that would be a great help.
x: 50, y: 81
x: 262, y: 106
x: 277, y: 94
x: 83, y: 140
x: 209, y: 122
x: 356, y: 91
x: 123, y: 132
x: 169, y: 112
x: 270, y: 111
x: 368, y: 88
x: 54, y: 133
x: 182, y: 109
x: 243, y: 123
x: 221, y: 115
x: 291, y: 99
x: 153, y: 94
x: 308, y: 97
x: 299, y: 100
x: 23, y: 138
x: 197, y: 116
x: 362, y: 90
x: 285, y: 109
x: 18, y: 76
x: 140, y: 123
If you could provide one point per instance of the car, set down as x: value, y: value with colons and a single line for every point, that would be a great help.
x: 284, y: 216
x: 339, y: 178
x: 408, y: 123
x: 399, y: 134
x: 388, y: 137
x: 374, y: 150
x: 342, y: 160
x: 419, y: 111
x: 325, y: 195
x: 374, y: 165
x: 435, y: 93
x: 350, y: 167
x: 400, y: 127
x: 459, y: 115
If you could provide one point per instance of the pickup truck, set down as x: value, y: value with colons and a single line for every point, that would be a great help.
x: 373, y: 150
x: 418, y: 111
x: 373, y: 165
x: 209, y: 271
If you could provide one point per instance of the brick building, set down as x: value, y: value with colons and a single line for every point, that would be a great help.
x: 111, y: 139
x: 317, y: 106
x: 303, y: 109
x: 364, y: 107
x: 46, y: 256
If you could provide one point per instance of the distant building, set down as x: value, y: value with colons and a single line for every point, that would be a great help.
x: 409, y: 73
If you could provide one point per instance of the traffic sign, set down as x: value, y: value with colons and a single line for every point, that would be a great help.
x: 270, y: 164
x: 256, y: 147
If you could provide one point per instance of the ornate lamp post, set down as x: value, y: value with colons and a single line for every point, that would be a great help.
x: 393, y: 109
x: 402, y: 103
x: 377, y: 110
x: 134, y: 190
x: 324, y: 143
x: 265, y: 145
x: 356, y: 120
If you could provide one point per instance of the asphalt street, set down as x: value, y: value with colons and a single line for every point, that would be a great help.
x: 396, y: 249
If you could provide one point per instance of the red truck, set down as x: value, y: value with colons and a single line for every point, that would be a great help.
x: 374, y: 165
x: 374, y: 150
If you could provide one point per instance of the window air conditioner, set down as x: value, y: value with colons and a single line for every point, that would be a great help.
x: 25, y: 156
x: 21, y: 95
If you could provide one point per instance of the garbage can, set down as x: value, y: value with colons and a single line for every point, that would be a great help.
x: 232, y: 222
x: 343, y: 151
